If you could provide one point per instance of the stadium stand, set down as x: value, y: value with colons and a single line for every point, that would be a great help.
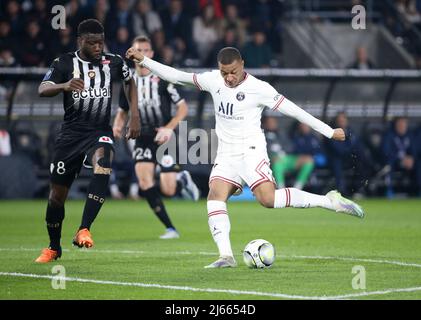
x: 304, y: 49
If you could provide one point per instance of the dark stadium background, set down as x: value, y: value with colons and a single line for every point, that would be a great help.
x: 305, y: 49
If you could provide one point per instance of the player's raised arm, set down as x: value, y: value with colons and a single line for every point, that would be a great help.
x: 163, y: 71
x: 278, y: 102
x: 164, y: 133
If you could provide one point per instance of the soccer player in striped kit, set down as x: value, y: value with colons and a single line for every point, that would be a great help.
x: 85, y: 78
x: 156, y: 97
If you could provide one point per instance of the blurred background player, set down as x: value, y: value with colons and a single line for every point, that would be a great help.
x: 85, y: 138
x: 239, y: 100
x: 155, y: 99
x: 305, y: 146
x: 399, y: 149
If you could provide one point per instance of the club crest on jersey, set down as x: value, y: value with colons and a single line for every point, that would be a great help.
x: 106, y: 139
x: 91, y: 74
x: 240, y: 96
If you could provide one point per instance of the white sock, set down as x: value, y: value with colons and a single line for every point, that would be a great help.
x: 134, y: 190
x: 292, y: 197
x: 219, y: 225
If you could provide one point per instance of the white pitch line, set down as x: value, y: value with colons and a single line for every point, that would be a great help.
x: 212, y: 290
x: 398, y: 263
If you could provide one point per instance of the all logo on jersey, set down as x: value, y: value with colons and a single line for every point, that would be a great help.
x: 227, y: 109
x: 240, y: 96
x: 106, y: 139
x: 91, y: 74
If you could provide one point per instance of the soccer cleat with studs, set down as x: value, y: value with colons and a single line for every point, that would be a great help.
x: 223, y: 262
x: 341, y: 204
x: 83, y: 238
x: 48, y: 255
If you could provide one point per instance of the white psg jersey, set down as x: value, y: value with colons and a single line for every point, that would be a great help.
x: 238, y: 110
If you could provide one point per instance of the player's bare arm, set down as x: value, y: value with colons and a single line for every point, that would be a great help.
x: 133, y: 130
x: 119, y: 122
x: 48, y: 89
x: 164, y: 133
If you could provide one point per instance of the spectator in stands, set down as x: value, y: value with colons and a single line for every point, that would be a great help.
x: 14, y: 17
x: 230, y: 39
x: 6, y: 60
x: 346, y: 155
x: 362, y: 61
x: 6, y: 57
x: 145, y: 20
x: 100, y: 10
x: 206, y: 32
x: 66, y: 42
x: 41, y: 14
x: 159, y: 42
x: 177, y: 26
x: 121, y: 43
x: 233, y: 21
x: 400, y: 151
x: 75, y: 14
x: 5, y: 146
x: 5, y: 34
x: 26, y: 141
x: 32, y: 50
x: 216, y: 6
x: 120, y: 17
x: 257, y: 53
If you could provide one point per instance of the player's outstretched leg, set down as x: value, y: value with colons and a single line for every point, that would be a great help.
x: 219, y: 225
x: 292, y: 197
x: 54, y: 219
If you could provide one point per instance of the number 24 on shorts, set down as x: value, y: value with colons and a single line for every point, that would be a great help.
x: 141, y: 153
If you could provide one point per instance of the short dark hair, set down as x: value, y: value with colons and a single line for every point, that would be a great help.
x: 141, y: 39
x: 90, y: 26
x: 228, y: 55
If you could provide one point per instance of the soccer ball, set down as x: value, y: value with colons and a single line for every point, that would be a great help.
x: 259, y: 254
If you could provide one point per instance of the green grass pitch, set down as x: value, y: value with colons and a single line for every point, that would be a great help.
x: 316, y: 253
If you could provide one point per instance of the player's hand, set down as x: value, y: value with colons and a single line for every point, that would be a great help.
x: 163, y: 135
x: 338, y: 134
x: 74, y: 84
x: 118, y: 132
x: 134, y: 55
x: 133, y: 129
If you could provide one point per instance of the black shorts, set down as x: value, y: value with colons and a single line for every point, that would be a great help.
x: 74, y: 148
x: 146, y: 150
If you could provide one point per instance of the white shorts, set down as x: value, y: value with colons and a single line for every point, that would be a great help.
x: 251, y: 168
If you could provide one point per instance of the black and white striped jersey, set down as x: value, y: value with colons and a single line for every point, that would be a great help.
x: 155, y: 98
x: 90, y: 108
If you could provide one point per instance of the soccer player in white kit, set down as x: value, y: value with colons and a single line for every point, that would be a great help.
x: 239, y: 99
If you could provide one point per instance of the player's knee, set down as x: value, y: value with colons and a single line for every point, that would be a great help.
x: 103, y: 166
x: 145, y: 183
x: 168, y: 191
x: 266, y: 200
x: 55, y: 200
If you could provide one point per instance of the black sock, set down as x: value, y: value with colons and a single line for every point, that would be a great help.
x: 54, y: 218
x: 96, y: 196
x: 154, y: 199
x: 180, y: 186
